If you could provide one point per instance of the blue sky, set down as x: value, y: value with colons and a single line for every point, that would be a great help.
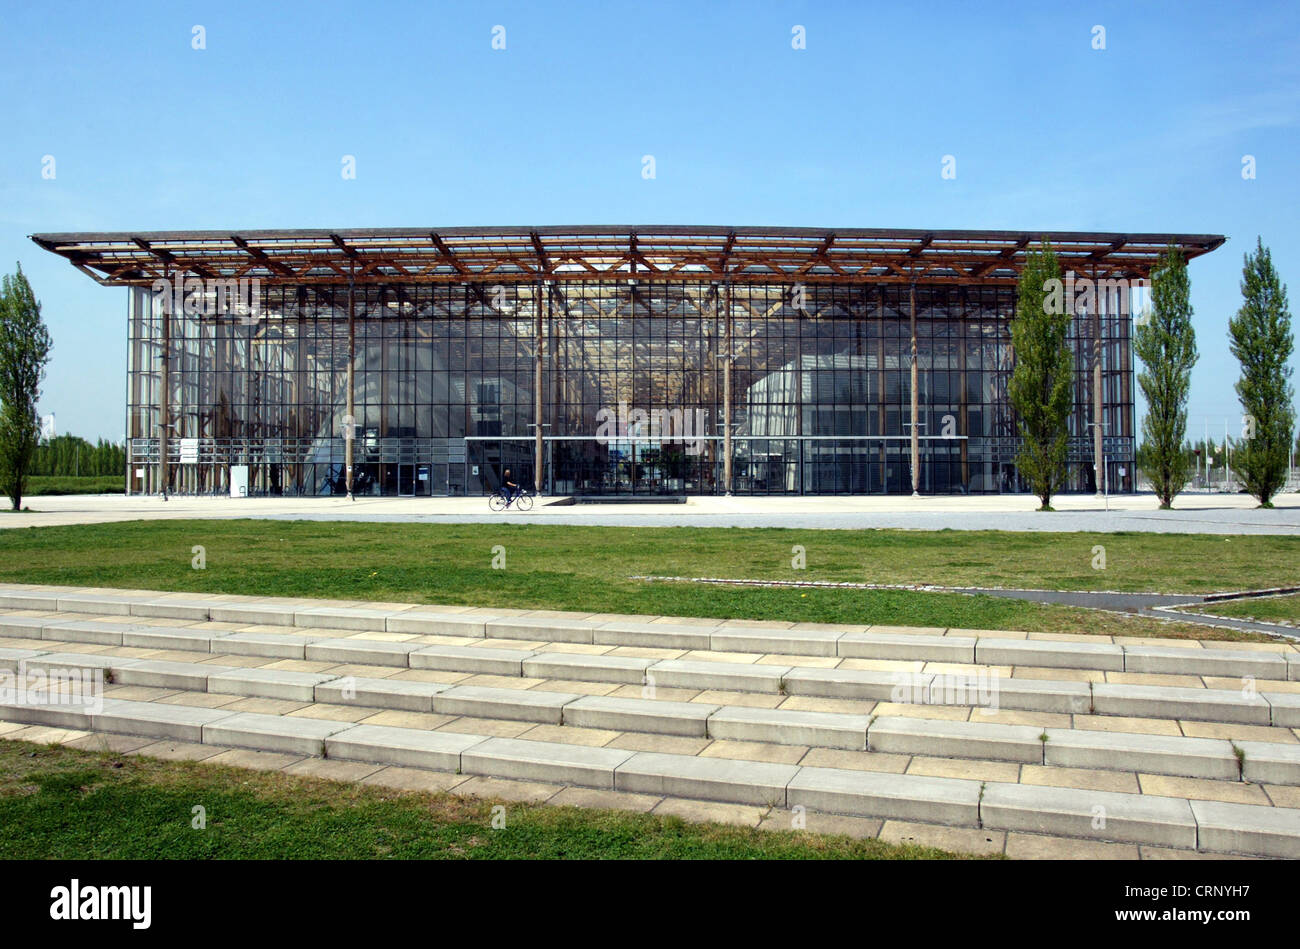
x: 1047, y: 132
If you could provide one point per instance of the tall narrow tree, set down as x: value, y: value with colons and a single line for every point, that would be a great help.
x: 1166, y: 343
x: 1261, y: 339
x: 24, y: 350
x: 1040, y: 385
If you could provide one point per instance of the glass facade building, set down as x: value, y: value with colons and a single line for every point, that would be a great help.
x: 646, y: 372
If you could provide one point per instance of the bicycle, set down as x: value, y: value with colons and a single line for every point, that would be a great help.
x: 523, y: 500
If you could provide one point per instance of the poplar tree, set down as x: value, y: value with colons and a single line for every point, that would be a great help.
x: 1041, y: 382
x: 24, y: 350
x: 1166, y: 343
x: 1260, y: 337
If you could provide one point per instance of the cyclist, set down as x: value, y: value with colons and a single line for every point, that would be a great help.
x: 508, y: 487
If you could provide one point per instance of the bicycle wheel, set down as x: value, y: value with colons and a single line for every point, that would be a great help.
x: 524, y: 502
x: 497, y: 502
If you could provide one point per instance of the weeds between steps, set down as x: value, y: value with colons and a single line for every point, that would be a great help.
x: 1092, y: 705
x: 1241, y: 760
x: 979, y: 808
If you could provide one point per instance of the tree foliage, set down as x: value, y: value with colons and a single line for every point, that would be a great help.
x: 1166, y: 343
x: 24, y: 350
x: 71, y: 455
x: 1260, y: 337
x: 1041, y: 382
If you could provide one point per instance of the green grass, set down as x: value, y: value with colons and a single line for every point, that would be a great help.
x: 1269, y: 609
x: 39, y: 485
x: 589, y: 568
x: 64, y: 803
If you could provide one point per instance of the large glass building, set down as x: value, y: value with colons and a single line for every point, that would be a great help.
x: 599, y: 361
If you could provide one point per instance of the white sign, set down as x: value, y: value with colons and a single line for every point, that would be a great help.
x: 139, y: 472
x: 189, y: 451
x: 239, y: 481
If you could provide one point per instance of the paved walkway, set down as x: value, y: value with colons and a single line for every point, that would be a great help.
x: 1194, y: 513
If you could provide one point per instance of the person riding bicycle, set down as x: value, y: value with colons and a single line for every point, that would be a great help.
x: 508, y: 487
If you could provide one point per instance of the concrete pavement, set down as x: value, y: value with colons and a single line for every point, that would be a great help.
x: 1193, y: 514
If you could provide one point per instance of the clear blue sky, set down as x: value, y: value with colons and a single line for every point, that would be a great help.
x: 1048, y: 133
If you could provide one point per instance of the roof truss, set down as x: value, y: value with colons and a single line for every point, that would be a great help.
x: 521, y: 254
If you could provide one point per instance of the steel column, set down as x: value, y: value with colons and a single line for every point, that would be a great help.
x: 350, y: 422
x: 726, y: 399
x: 916, y: 436
x: 537, y: 389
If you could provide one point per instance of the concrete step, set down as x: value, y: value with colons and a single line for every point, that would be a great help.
x: 946, y: 739
x: 403, y: 747
x: 1152, y: 701
x: 269, y: 683
x: 717, y: 779
x: 552, y: 762
x: 778, y: 726
x: 1041, y: 695
x: 1245, y: 828
x: 640, y: 715
x: 1273, y: 762
x: 1150, y: 754
x: 883, y: 794
x: 1106, y: 815
x: 886, y: 643
x: 520, y: 705
x: 398, y: 694
x: 471, y: 659
x: 282, y: 733
x: 1086, y: 814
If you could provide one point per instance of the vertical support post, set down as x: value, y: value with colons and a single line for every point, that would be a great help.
x: 134, y: 298
x: 964, y: 427
x: 164, y: 383
x: 726, y: 398
x: 916, y: 402
x: 537, y: 391
x: 798, y: 410
x: 1098, y: 458
x: 881, y: 388
x: 350, y: 422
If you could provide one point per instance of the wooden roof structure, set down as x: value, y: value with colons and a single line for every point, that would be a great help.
x: 785, y: 255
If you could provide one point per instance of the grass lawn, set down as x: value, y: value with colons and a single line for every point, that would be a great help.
x: 67, y: 484
x: 64, y: 803
x: 589, y: 568
x: 1267, y: 609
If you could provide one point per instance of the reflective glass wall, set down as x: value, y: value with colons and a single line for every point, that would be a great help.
x: 632, y: 390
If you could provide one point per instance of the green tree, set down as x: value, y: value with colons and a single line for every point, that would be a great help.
x: 1260, y: 338
x: 1040, y: 386
x: 24, y: 350
x: 1166, y: 344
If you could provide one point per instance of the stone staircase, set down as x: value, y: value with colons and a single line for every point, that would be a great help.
x: 1167, y: 747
